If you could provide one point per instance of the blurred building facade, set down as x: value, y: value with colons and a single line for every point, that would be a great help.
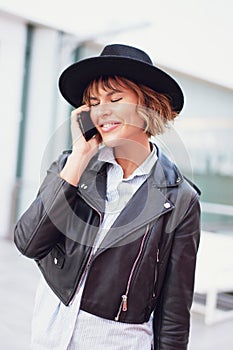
x: 35, y: 121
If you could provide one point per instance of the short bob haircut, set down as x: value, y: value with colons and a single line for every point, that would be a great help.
x: 155, y: 108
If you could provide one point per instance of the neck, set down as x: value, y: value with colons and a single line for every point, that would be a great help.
x: 131, y: 156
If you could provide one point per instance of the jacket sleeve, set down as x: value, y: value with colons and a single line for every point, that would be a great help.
x: 171, y: 320
x: 42, y: 225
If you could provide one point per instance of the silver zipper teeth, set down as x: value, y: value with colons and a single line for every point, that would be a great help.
x: 123, y: 305
x: 156, y: 270
x: 91, y: 253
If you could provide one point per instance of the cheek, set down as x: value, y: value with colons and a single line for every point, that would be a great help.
x: 129, y: 113
x: 136, y: 120
x: 93, y: 117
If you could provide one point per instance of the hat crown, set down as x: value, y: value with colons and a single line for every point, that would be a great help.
x: 126, y: 51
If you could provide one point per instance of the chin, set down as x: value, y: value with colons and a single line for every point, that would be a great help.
x: 112, y: 141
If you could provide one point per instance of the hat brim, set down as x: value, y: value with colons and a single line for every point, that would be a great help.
x: 74, y: 80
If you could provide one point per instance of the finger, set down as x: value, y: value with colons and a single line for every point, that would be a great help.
x: 79, y: 110
x: 96, y: 140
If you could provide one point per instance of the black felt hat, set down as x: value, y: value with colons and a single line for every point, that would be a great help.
x: 120, y: 60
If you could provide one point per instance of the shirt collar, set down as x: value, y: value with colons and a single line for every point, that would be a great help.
x: 106, y: 155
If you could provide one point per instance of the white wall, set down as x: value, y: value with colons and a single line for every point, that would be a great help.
x: 12, y: 47
x: 46, y: 114
x: 202, y: 135
x: 206, y: 126
x: 41, y: 111
x: 192, y: 36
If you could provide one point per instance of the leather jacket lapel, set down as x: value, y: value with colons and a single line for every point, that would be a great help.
x: 147, y: 204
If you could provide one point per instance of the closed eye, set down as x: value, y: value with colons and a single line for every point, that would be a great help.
x: 116, y: 99
x: 93, y: 101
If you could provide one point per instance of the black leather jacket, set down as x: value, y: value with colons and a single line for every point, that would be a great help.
x: 145, y: 263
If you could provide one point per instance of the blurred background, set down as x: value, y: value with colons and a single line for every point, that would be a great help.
x: 192, y: 41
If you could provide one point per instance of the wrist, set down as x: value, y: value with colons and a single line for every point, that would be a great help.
x: 74, y: 167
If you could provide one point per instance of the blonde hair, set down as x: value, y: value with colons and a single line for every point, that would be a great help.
x: 155, y: 108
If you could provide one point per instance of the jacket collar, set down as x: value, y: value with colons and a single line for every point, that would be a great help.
x: 147, y: 205
x: 164, y: 173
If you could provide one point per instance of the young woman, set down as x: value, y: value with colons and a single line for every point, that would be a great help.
x: 114, y: 229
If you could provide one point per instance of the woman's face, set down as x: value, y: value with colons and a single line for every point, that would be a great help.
x: 114, y: 113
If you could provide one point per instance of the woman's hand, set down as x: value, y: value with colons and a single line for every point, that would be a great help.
x: 79, y: 143
x: 82, y: 150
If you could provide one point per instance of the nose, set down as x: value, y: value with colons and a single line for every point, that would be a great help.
x: 102, y: 110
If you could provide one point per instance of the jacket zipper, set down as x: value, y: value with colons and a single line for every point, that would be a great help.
x: 90, y: 256
x: 156, y: 272
x: 124, y: 302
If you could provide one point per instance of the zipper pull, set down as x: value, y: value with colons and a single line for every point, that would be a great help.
x: 124, y: 302
x: 123, y: 306
x: 157, y: 256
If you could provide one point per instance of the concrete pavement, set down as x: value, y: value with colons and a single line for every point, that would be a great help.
x: 18, y: 280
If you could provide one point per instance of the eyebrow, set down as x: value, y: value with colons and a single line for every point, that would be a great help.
x: 108, y: 94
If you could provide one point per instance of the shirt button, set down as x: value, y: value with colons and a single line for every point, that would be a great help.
x: 167, y: 205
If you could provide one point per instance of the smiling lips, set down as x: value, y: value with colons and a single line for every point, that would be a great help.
x: 109, y: 126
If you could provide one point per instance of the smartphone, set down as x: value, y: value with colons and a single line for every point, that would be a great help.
x: 86, y: 125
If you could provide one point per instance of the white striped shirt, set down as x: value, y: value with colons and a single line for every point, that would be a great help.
x: 59, y: 327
